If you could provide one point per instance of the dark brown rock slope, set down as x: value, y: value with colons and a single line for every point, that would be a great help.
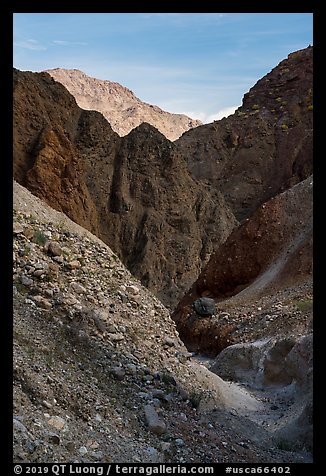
x: 266, y: 146
x: 165, y: 225
x: 45, y: 158
x: 271, y: 251
x: 134, y: 192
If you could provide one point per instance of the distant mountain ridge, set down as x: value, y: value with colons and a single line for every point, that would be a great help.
x: 119, y: 105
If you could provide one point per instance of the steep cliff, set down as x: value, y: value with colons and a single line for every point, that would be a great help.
x: 266, y: 146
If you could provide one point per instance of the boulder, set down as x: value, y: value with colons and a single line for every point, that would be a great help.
x: 205, y: 306
x: 154, y: 422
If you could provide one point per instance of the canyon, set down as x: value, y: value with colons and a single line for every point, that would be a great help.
x: 115, y: 241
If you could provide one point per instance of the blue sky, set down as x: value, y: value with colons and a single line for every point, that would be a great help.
x: 200, y: 64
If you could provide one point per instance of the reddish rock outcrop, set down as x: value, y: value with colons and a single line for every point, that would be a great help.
x: 270, y: 251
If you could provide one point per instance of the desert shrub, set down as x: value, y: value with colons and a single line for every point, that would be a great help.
x: 39, y: 237
x: 168, y: 379
x: 305, y: 305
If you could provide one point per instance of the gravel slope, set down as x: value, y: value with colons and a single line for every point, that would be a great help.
x: 93, y: 348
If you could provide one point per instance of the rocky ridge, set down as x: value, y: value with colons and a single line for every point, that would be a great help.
x: 266, y: 146
x: 118, y: 104
x: 100, y: 373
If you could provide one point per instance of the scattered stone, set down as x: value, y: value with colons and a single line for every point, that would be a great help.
x: 58, y: 259
x: 100, y: 314
x: 92, y: 444
x: 155, y: 424
x: 179, y: 442
x: 183, y: 417
x: 42, y: 302
x: 54, y: 249
x: 77, y: 288
x: 28, y: 233
x: 47, y: 404
x: 49, y: 293
x: 224, y: 315
x: 118, y: 373
x: 165, y: 446
x: 26, y: 281
x: 116, y: 337
x: 151, y: 455
x: 144, y: 395
x: 39, y: 272
x: 48, y: 234
x: 54, y: 438
x: 100, y: 325
x: 74, y: 264
x: 169, y: 341
x: 133, y: 290
x: 131, y: 369
x: 83, y: 450
x: 70, y: 445
x: 184, y: 356
x: 57, y: 422
x: 17, y: 228
x: 70, y: 300
x: 158, y: 393
x: 97, y: 455
x: 41, y: 266
x: 32, y: 445
x: 19, y: 426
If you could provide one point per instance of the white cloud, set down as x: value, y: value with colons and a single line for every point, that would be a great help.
x: 68, y: 43
x: 30, y: 45
x: 227, y: 111
x: 59, y: 42
x: 207, y: 118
